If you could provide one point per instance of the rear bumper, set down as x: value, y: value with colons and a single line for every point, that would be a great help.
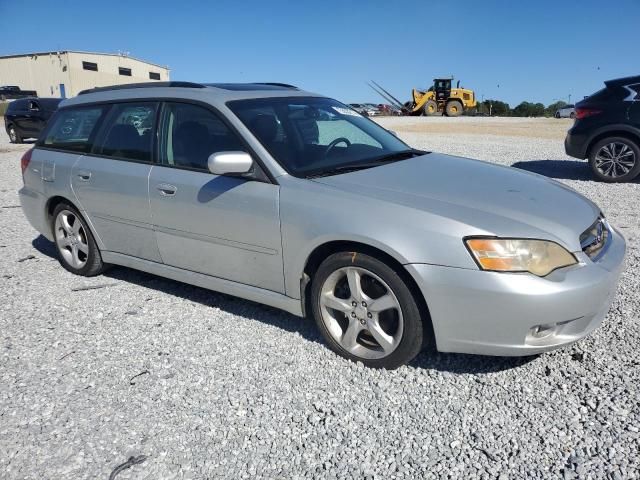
x: 33, y: 207
x: 575, y: 145
x: 493, y: 313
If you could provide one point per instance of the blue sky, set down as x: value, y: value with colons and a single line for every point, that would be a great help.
x: 534, y: 50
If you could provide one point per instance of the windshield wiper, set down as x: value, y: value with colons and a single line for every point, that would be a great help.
x: 372, y: 162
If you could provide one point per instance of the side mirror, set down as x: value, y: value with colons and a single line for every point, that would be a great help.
x: 229, y: 163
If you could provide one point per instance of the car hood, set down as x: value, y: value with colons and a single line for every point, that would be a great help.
x: 486, y: 198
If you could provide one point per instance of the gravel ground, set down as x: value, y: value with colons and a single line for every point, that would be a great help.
x: 209, y: 386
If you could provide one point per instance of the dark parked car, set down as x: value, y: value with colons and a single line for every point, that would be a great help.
x: 10, y: 92
x: 27, y: 117
x: 607, y: 131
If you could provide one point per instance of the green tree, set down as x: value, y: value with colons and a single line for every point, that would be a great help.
x: 528, y: 109
x: 496, y: 107
x: 551, y: 110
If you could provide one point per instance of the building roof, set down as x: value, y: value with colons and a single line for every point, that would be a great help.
x: 58, y: 52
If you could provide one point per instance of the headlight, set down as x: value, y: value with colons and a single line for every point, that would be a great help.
x: 539, y: 257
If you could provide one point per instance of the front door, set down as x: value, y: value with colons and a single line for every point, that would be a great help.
x: 222, y: 226
x: 111, y: 182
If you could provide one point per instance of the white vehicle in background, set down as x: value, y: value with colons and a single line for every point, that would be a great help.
x: 568, y: 111
x: 365, y: 109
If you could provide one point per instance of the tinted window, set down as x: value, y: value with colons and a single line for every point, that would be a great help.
x: 33, y: 105
x: 191, y: 133
x: 154, y: 76
x: 90, y: 66
x: 16, y: 105
x: 49, y: 104
x: 74, y: 129
x: 128, y: 131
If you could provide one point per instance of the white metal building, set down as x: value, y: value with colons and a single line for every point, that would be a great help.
x: 64, y: 74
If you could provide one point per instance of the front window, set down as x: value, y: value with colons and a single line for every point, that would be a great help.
x: 318, y: 136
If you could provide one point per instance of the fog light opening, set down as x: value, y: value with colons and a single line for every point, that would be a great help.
x: 542, y: 331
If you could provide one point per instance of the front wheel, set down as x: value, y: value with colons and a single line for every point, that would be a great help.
x: 430, y: 108
x: 615, y: 159
x: 365, y: 311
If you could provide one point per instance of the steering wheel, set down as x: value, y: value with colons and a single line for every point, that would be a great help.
x: 336, y: 142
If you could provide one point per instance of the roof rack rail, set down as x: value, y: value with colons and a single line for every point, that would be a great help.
x: 128, y: 86
x: 276, y: 84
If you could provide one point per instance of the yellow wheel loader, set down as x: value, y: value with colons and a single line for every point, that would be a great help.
x: 438, y: 99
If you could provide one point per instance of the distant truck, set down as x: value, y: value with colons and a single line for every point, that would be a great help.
x: 12, y: 92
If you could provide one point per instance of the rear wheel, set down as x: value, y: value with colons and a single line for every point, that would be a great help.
x: 572, y: 115
x: 77, y: 249
x: 430, y: 108
x: 615, y: 159
x: 14, y: 136
x: 365, y: 311
x: 454, y: 109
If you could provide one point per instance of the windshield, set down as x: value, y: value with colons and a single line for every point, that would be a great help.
x: 312, y: 136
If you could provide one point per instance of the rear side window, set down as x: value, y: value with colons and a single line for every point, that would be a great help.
x: 190, y: 133
x: 16, y: 105
x: 127, y: 133
x: 73, y: 129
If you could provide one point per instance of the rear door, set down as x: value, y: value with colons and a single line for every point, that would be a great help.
x: 34, y: 118
x: 111, y: 182
x: 19, y: 117
x: 227, y: 227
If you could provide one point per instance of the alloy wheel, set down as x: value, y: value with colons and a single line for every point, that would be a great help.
x: 12, y: 135
x: 615, y: 159
x: 361, y: 313
x: 71, y: 239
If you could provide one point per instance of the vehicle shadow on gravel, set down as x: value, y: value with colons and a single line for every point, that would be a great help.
x: 234, y: 305
x: 562, y: 169
x: 429, y: 359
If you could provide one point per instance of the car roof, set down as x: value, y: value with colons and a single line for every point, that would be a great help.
x: 215, y: 93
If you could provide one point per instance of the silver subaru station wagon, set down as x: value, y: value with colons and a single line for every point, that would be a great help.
x: 296, y: 201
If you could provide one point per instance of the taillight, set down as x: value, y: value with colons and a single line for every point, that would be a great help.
x: 586, y: 112
x: 26, y: 158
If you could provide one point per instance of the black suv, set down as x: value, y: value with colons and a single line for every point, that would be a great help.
x: 607, y: 131
x: 27, y: 117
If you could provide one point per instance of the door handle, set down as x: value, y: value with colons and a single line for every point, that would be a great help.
x: 84, y: 176
x: 166, y: 189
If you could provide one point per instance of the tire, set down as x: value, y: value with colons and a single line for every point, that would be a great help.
x: 572, y: 115
x: 352, y: 325
x: 557, y: 115
x: 430, y: 108
x: 615, y: 159
x: 77, y: 249
x: 454, y: 108
x: 14, y: 136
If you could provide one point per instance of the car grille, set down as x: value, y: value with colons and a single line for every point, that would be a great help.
x: 594, y: 240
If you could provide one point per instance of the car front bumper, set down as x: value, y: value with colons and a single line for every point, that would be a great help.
x: 491, y: 313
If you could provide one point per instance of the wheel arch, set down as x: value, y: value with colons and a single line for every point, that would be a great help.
x: 621, y: 131
x: 56, y: 200
x: 324, y: 250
